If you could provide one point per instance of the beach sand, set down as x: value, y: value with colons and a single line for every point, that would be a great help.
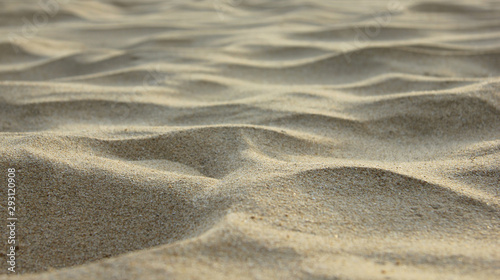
x: 251, y: 139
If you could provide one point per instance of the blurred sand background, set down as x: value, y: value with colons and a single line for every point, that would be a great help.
x: 251, y: 139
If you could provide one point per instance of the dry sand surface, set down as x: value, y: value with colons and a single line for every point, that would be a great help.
x: 251, y: 139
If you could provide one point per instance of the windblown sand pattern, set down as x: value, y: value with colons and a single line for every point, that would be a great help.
x: 252, y: 139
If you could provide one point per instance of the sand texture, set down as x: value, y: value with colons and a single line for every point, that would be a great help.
x: 251, y: 139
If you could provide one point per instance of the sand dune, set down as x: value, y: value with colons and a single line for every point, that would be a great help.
x: 252, y: 139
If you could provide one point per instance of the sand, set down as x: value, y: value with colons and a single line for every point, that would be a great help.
x: 251, y: 139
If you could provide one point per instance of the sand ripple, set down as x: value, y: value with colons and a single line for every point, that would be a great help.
x: 254, y: 139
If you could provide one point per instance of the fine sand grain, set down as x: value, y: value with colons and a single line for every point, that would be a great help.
x: 251, y: 139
